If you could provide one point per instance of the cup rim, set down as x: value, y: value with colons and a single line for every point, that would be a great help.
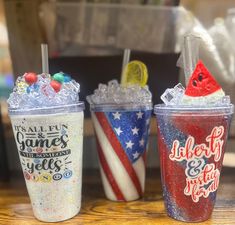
x: 122, y: 106
x: 200, y: 110
x: 76, y: 107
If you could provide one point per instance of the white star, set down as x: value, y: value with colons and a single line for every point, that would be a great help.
x: 136, y: 155
x: 141, y: 142
x: 129, y: 144
x: 147, y: 121
x: 135, y: 130
x: 117, y: 115
x: 118, y: 130
x: 139, y: 115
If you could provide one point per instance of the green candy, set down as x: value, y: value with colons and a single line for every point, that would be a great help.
x: 58, y: 77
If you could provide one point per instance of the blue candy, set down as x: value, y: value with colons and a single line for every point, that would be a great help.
x: 67, y: 78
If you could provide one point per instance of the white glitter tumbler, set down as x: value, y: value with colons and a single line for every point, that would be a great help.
x: 49, y: 142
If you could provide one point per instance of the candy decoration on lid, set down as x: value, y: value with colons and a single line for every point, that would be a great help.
x: 30, y: 78
x: 59, y: 77
x: 55, y: 85
x: 67, y: 78
x: 21, y: 87
x: 202, y: 85
x: 33, y: 88
x: 135, y: 72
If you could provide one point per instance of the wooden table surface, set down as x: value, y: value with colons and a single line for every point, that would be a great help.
x: 15, y: 206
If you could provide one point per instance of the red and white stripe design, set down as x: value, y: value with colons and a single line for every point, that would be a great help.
x: 122, y: 180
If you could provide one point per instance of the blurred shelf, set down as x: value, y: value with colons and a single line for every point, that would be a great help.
x: 104, y: 29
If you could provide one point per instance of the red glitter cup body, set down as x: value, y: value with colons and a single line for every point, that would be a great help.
x: 191, y: 143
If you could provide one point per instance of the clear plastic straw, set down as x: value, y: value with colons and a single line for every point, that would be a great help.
x: 44, y: 51
x: 190, y: 55
x: 126, y: 59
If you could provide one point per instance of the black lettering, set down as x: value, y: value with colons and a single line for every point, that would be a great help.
x: 30, y: 129
x: 38, y: 167
x: 51, y: 166
x: 16, y: 128
x: 30, y: 167
x: 19, y: 139
x: 30, y: 143
x: 45, y: 164
x: 65, y: 126
x: 64, y: 141
x: 58, y: 165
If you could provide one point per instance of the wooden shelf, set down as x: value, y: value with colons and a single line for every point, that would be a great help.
x: 15, y: 206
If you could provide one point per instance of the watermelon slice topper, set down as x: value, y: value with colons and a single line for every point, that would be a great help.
x: 202, y: 87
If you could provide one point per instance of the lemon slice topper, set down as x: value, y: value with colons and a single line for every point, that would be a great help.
x: 135, y: 72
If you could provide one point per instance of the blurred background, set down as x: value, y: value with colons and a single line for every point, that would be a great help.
x: 86, y: 39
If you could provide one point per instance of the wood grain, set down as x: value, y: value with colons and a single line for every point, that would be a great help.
x: 15, y: 207
x: 25, y: 35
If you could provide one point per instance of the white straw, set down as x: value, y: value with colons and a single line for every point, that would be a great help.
x: 126, y: 57
x: 125, y: 61
x: 190, y: 55
x: 44, y: 50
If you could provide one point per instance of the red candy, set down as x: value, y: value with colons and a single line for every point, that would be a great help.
x: 55, y: 85
x: 31, y: 78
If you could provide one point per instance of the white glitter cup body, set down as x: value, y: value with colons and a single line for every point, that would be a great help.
x: 122, y: 132
x: 50, y: 146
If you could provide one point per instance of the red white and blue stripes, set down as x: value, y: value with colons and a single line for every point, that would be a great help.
x: 121, y: 142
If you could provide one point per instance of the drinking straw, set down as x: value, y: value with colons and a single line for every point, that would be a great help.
x: 125, y: 61
x: 190, y: 55
x: 44, y: 51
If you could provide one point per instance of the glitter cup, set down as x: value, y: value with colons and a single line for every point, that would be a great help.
x: 191, y: 143
x: 122, y: 134
x: 49, y: 142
